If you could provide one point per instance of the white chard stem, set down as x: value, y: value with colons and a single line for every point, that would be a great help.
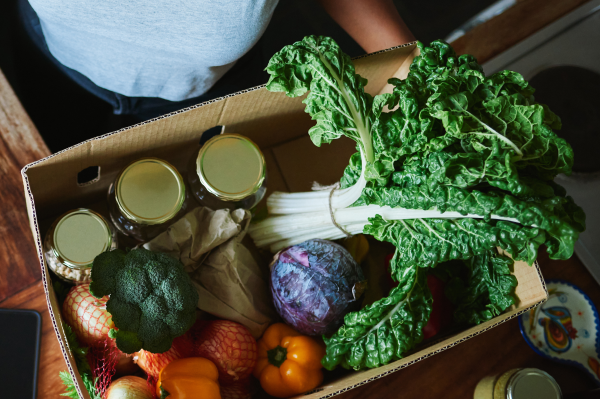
x: 297, y: 217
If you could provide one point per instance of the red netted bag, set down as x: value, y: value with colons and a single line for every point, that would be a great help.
x: 103, y: 358
x: 152, y: 363
x: 87, y: 315
x: 229, y: 345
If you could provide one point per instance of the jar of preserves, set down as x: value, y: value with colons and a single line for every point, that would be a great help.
x: 74, y: 240
x: 228, y: 171
x: 518, y: 384
x: 147, y: 196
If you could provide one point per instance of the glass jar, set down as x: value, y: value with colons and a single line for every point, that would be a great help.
x: 74, y: 240
x: 228, y: 171
x: 518, y: 384
x: 147, y: 196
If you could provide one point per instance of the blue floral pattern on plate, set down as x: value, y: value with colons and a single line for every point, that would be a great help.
x: 565, y: 328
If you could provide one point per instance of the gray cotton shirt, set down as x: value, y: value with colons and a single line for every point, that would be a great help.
x: 172, y: 49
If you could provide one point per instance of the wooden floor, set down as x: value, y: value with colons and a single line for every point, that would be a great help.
x: 450, y: 374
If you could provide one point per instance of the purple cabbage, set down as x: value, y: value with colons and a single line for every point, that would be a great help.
x: 314, y: 285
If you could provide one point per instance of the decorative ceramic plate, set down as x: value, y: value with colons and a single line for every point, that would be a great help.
x: 565, y: 328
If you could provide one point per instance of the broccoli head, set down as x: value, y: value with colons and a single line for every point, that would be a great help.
x: 152, y: 299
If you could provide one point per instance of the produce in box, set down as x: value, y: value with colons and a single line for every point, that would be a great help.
x: 83, y: 368
x: 230, y: 346
x: 87, y: 315
x: 462, y: 165
x: 152, y: 363
x: 129, y: 387
x: 189, y: 378
x: 152, y: 300
x: 458, y: 175
x: 289, y: 363
x: 314, y: 284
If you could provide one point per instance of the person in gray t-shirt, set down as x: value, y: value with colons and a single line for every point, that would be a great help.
x: 136, y: 54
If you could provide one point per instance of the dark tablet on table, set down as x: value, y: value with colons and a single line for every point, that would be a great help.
x: 20, y: 333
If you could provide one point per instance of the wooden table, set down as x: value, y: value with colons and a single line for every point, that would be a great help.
x: 450, y: 374
x: 20, y: 276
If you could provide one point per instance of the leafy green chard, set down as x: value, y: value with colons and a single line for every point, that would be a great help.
x: 480, y: 288
x: 383, y: 331
x: 337, y: 100
x: 455, y: 141
x: 559, y: 217
x: 460, y: 141
x: 427, y: 242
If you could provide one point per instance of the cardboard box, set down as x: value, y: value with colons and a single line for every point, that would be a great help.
x: 279, y: 126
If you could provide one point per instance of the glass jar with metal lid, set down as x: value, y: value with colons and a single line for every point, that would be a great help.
x: 147, y: 196
x: 228, y: 171
x: 74, y: 240
x: 518, y: 384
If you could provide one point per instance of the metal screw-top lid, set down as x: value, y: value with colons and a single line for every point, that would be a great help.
x: 80, y: 236
x: 150, y: 191
x: 231, y: 167
x: 532, y: 384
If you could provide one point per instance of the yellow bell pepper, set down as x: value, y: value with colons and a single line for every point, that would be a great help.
x: 358, y: 246
x: 288, y: 363
x: 185, y: 378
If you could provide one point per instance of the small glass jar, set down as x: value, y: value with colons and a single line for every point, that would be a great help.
x: 518, y: 384
x: 147, y: 196
x: 228, y: 171
x: 74, y: 240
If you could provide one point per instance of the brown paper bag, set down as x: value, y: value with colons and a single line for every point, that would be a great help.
x: 228, y: 279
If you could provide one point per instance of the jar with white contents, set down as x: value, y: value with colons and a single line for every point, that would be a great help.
x: 74, y: 240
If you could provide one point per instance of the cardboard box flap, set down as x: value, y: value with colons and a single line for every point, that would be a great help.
x: 402, y: 72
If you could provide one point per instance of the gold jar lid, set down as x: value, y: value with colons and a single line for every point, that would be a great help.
x: 231, y: 167
x: 149, y: 191
x: 79, y: 236
x: 532, y: 383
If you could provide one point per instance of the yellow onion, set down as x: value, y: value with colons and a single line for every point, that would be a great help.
x: 129, y: 387
x: 87, y: 315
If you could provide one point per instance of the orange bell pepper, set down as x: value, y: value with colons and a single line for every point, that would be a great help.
x: 187, y: 378
x: 288, y: 363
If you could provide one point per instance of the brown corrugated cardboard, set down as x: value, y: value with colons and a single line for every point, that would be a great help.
x: 278, y: 125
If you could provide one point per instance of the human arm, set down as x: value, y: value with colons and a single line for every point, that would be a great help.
x: 374, y: 24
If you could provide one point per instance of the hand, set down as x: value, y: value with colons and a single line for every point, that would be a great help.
x: 374, y: 24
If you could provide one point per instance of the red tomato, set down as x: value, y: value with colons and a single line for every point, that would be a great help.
x: 434, y: 325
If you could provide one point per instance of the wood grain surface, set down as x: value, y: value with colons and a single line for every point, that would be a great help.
x: 51, y: 359
x: 526, y: 17
x: 20, y: 276
x: 450, y: 374
x: 20, y: 144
